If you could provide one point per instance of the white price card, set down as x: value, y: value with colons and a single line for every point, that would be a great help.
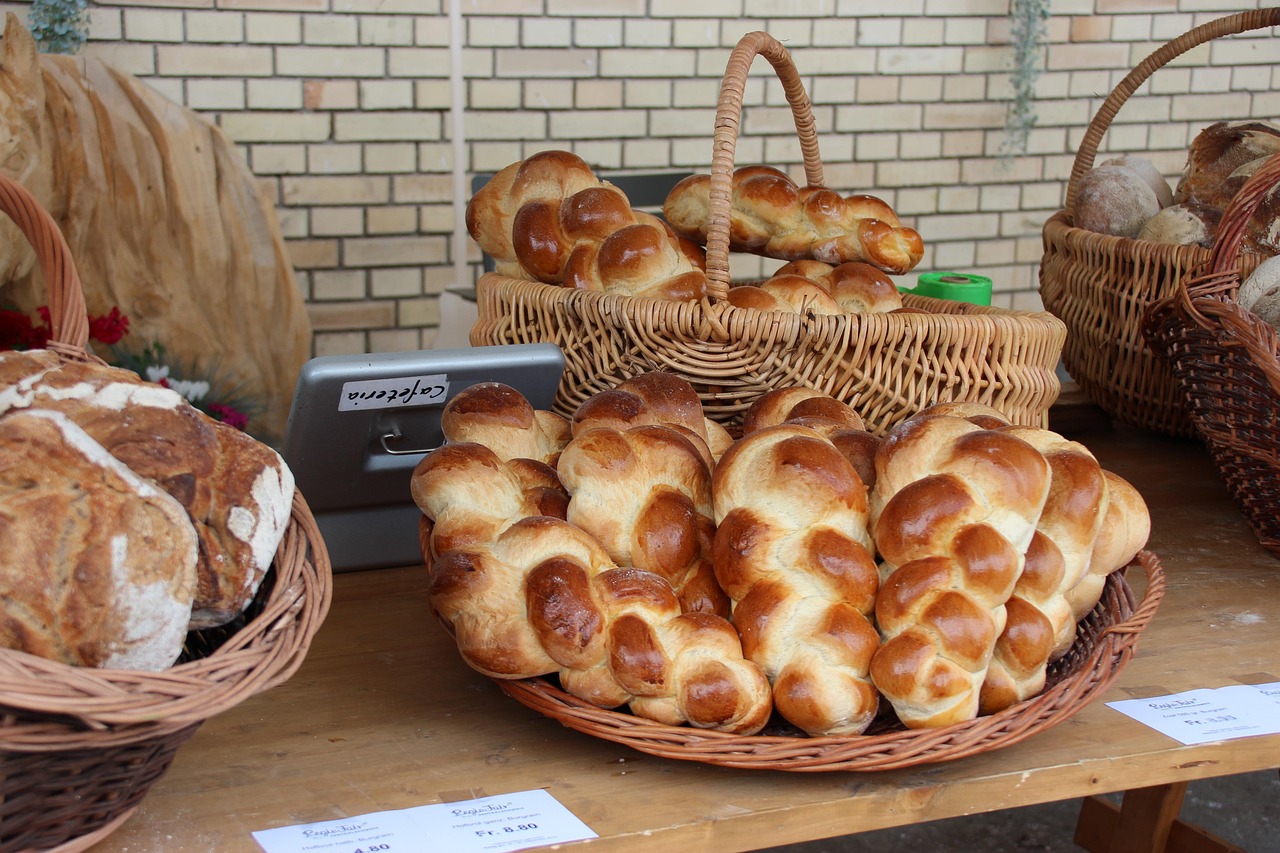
x: 1204, y: 715
x: 504, y: 823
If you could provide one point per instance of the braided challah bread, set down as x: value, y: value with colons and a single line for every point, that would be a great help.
x: 645, y: 495
x: 771, y: 216
x: 550, y: 219
x: 654, y: 398
x: 545, y: 598
x: 954, y: 509
x: 835, y: 420
x: 499, y: 417
x: 814, y: 287
x: 792, y: 551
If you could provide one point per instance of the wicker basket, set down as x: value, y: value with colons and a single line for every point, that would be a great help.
x: 887, y: 366
x: 1100, y: 285
x: 80, y: 747
x: 1227, y: 363
x: 1105, y: 641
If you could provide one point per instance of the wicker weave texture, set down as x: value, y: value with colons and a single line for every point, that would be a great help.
x: 1227, y: 363
x: 80, y: 747
x: 888, y: 366
x: 1101, y: 286
x: 1105, y: 642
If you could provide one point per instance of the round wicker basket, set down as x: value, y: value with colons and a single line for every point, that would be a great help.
x: 1105, y: 641
x: 1227, y: 363
x: 81, y: 747
x: 1100, y: 286
x: 887, y: 366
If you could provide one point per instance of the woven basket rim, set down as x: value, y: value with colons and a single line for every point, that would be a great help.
x: 48, y: 706
x: 1119, y: 621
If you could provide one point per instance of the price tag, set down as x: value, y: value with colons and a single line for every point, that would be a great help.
x: 1204, y: 716
x: 502, y: 823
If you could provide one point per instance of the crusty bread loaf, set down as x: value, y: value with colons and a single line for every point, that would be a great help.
x: 1219, y: 151
x: 655, y: 397
x: 1040, y: 624
x: 97, y: 565
x: 645, y: 494
x: 1111, y: 199
x: 771, y: 216
x: 792, y: 551
x: 1188, y: 224
x: 237, y: 491
x: 545, y: 598
x: 954, y: 510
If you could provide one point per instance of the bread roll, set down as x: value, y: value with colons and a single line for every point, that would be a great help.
x: 237, y: 491
x: 645, y: 495
x: 954, y: 510
x: 1145, y: 169
x: 544, y: 598
x: 792, y: 551
x: 1188, y: 224
x: 1260, y: 292
x: 771, y: 216
x: 1111, y: 199
x: 98, y: 567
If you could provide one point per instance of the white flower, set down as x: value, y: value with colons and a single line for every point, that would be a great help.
x: 156, y: 372
x: 193, y: 391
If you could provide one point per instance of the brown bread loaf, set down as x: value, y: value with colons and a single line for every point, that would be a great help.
x: 97, y: 565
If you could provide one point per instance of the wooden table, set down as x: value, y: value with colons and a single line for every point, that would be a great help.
x: 383, y: 715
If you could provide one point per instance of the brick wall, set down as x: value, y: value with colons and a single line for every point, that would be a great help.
x: 342, y: 107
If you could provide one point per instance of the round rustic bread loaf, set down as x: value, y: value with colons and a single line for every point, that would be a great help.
x: 1112, y: 199
x: 97, y: 566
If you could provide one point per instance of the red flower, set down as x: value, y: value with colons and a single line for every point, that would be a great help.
x: 17, y: 331
x: 109, y: 328
x: 228, y: 415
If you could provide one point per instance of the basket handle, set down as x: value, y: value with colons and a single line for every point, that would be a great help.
x: 725, y: 138
x: 1230, y: 25
x: 68, y: 315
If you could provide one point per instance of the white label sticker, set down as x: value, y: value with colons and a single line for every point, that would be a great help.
x: 505, y: 823
x: 398, y: 393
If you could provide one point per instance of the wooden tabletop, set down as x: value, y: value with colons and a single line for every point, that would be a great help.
x: 383, y: 715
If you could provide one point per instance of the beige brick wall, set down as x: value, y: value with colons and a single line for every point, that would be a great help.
x: 342, y: 108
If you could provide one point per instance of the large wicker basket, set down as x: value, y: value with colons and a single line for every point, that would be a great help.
x: 1227, y: 363
x: 887, y: 366
x: 1105, y: 641
x: 79, y: 748
x: 1100, y: 285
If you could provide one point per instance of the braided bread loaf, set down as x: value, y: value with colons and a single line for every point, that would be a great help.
x: 499, y: 417
x: 645, y: 495
x: 1040, y: 624
x: 954, y: 509
x: 550, y: 219
x: 654, y: 398
x: 814, y: 287
x: 792, y: 551
x: 544, y: 597
x: 771, y: 216
x: 835, y: 420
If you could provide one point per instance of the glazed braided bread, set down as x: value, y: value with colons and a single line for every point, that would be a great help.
x: 814, y: 287
x: 954, y: 509
x: 545, y: 598
x: 792, y: 551
x: 645, y: 495
x: 771, y: 216
x: 550, y: 219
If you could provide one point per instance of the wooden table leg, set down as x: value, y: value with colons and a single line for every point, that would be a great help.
x: 1146, y: 822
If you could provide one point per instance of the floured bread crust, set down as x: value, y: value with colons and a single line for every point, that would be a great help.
x: 97, y: 566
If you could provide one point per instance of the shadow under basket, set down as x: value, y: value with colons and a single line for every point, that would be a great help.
x: 1105, y: 641
x: 80, y: 747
